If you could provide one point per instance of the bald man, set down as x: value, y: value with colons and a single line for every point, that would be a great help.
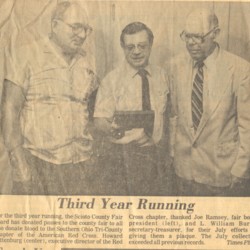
x: 210, y: 106
x: 45, y: 109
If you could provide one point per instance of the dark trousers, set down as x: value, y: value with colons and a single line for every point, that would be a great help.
x: 52, y: 179
x: 130, y: 170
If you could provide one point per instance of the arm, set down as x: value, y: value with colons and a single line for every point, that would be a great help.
x: 109, y: 128
x: 172, y: 109
x: 12, y: 103
x: 104, y: 110
x: 241, y: 168
x: 104, y: 113
x: 91, y: 106
x: 103, y: 125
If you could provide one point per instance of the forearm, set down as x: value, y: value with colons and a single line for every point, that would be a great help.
x: 241, y: 166
x: 12, y: 103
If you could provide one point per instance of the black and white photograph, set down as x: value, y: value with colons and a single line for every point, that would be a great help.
x: 125, y: 98
x: 124, y: 124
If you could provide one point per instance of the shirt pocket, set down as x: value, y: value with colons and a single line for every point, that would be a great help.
x: 160, y: 101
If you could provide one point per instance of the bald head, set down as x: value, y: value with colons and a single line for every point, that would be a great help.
x: 69, y: 27
x: 72, y: 12
x: 201, y: 21
x: 202, y: 27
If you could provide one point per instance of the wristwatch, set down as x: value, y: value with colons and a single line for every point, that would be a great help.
x: 117, y: 133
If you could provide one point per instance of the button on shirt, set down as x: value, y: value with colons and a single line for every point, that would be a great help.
x: 54, y: 118
x: 121, y: 90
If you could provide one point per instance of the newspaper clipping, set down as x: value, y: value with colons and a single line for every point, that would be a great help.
x: 124, y: 125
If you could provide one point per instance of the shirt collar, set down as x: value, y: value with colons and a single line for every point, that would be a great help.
x: 209, y: 61
x: 132, y: 72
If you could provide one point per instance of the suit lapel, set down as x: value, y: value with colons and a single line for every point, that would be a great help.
x: 216, y: 89
x: 185, y: 87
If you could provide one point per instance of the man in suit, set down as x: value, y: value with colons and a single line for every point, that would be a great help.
x: 210, y: 107
x: 134, y: 87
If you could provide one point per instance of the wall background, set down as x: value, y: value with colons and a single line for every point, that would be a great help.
x: 24, y: 20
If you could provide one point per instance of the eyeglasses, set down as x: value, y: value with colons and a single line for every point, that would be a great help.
x: 131, y: 47
x: 77, y: 28
x: 196, y: 38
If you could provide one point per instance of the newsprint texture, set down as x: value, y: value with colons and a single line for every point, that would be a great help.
x: 124, y: 125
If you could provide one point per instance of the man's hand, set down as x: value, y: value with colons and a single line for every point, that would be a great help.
x: 145, y: 140
x: 236, y: 181
x: 116, y: 131
x: 136, y: 136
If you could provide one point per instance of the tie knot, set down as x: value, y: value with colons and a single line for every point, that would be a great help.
x: 199, y: 64
x: 142, y: 72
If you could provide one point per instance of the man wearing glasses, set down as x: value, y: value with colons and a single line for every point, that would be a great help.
x: 45, y: 109
x: 129, y: 110
x: 210, y: 99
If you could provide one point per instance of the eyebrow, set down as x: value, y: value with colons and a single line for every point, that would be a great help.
x: 194, y: 34
x: 141, y: 43
x: 77, y: 23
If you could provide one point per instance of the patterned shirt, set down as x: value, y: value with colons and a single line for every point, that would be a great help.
x: 54, y: 119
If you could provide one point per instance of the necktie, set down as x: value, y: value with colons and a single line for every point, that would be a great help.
x: 146, y: 105
x: 145, y: 90
x: 197, y: 96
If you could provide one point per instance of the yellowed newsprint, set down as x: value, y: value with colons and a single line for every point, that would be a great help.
x: 124, y: 223
x: 124, y: 125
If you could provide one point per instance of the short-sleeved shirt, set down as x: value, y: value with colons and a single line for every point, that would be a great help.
x: 121, y: 90
x: 54, y: 118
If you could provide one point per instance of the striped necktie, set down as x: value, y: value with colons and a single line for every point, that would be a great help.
x: 197, y: 96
